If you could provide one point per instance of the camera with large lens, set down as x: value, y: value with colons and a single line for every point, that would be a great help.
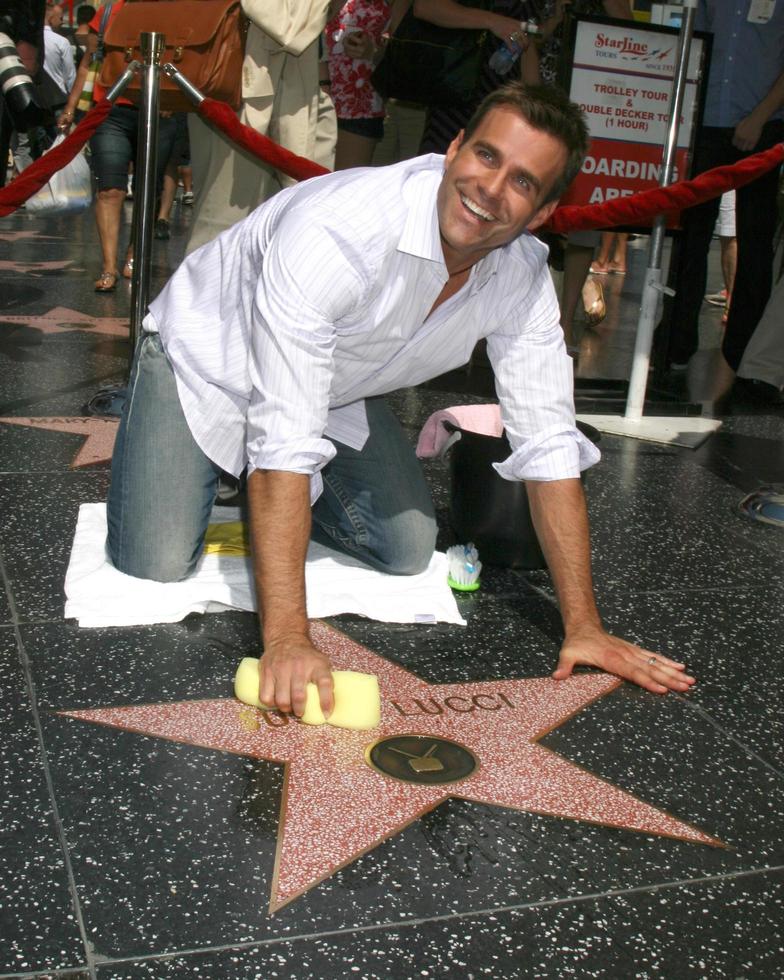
x: 17, y: 89
x: 22, y: 21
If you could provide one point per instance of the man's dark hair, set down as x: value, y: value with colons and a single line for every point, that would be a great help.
x: 85, y: 13
x: 548, y: 109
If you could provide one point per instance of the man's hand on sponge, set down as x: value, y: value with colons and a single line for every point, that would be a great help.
x: 286, y: 668
x: 357, y: 701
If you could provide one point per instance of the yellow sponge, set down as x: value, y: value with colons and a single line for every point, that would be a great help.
x: 357, y: 702
x: 357, y: 697
x: 246, y: 683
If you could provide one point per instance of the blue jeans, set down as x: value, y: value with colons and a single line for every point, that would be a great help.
x: 375, y: 506
x: 114, y: 144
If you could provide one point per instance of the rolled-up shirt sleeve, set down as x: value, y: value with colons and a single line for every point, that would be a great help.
x: 534, y: 382
x: 307, y: 284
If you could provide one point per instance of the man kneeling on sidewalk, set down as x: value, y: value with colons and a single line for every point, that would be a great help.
x: 273, y: 345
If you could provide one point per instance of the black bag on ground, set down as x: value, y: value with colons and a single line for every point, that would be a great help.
x: 489, y: 510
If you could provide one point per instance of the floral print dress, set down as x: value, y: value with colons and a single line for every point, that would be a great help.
x: 352, y: 93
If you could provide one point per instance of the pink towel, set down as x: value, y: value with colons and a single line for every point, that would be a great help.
x: 483, y: 419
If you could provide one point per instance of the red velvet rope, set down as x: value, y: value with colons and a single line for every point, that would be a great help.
x: 33, y: 178
x: 640, y: 209
x: 260, y: 146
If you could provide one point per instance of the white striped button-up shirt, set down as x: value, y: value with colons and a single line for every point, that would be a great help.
x: 281, y: 326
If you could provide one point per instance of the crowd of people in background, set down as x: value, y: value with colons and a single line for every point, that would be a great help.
x: 744, y: 114
x: 307, y: 83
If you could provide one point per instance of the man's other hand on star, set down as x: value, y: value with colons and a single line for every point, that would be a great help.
x: 594, y: 647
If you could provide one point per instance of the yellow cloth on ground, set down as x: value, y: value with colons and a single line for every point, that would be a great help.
x: 357, y: 697
x: 229, y: 538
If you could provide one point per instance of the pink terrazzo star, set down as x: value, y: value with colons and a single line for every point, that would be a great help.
x: 100, y: 435
x: 34, y: 268
x: 336, y: 807
x: 62, y: 320
x: 19, y: 236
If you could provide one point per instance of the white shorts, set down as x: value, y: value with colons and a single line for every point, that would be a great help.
x: 725, y: 223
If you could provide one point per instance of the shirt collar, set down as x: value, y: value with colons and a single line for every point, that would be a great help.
x: 421, y: 237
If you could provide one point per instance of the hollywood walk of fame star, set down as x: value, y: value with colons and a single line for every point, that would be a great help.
x: 336, y: 807
x: 62, y: 320
x: 34, y: 268
x: 18, y: 236
x: 100, y: 435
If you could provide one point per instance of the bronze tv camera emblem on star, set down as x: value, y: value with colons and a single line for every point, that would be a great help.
x: 423, y: 759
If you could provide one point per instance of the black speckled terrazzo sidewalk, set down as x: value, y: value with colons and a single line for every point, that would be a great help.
x: 128, y: 855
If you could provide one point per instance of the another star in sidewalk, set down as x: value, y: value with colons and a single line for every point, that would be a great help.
x: 336, y: 806
x: 35, y: 269
x: 100, y: 435
x: 63, y: 320
x: 19, y: 236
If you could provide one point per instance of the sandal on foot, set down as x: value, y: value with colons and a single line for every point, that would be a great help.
x: 106, y: 282
x: 765, y: 505
x: 128, y: 268
x: 593, y: 302
x: 597, y: 270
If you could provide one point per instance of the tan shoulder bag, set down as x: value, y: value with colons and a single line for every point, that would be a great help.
x: 205, y: 40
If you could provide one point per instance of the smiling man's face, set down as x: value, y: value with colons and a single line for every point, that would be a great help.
x: 494, y: 184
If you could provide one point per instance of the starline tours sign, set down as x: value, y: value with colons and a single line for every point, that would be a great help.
x: 621, y: 76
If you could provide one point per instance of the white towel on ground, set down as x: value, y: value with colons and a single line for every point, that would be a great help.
x: 98, y: 595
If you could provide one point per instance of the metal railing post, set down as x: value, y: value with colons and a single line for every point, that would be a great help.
x: 638, y: 381
x: 123, y: 81
x: 152, y: 46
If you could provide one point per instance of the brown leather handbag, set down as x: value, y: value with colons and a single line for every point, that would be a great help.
x: 205, y: 40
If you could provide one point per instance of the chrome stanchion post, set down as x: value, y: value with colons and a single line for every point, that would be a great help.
x: 152, y: 46
x: 109, y: 400
x: 123, y: 81
x: 638, y: 381
x: 185, y: 84
x: 678, y: 430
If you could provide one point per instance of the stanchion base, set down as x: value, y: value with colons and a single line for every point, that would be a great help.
x: 107, y: 402
x: 688, y: 431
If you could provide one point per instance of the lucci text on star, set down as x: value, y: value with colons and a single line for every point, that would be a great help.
x: 458, y: 703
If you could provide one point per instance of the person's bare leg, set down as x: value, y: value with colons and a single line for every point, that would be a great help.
x: 108, y: 211
x: 577, y: 262
x: 729, y: 263
x: 353, y: 150
x: 618, y: 262
x: 186, y: 175
x: 601, y: 262
x: 168, y: 191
